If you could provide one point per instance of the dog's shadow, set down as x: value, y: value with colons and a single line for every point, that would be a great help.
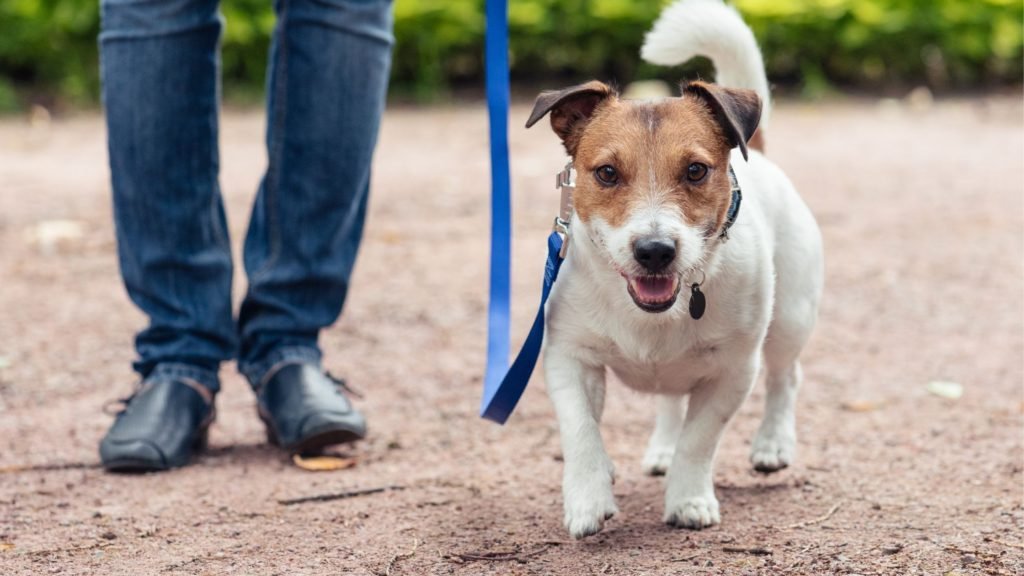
x: 503, y: 525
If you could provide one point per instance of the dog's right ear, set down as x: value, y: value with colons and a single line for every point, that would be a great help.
x: 570, y: 110
x: 737, y: 111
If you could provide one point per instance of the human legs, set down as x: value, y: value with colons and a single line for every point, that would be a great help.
x: 160, y: 90
x: 327, y: 80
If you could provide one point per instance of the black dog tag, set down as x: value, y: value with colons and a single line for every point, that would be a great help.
x: 697, y: 302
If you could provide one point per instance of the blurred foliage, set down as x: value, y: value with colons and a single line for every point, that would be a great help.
x: 943, y: 44
x: 48, y: 47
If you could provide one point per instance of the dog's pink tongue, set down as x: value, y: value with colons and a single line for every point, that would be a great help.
x: 654, y: 288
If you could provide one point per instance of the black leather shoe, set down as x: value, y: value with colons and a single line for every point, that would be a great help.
x: 305, y: 410
x: 161, y: 426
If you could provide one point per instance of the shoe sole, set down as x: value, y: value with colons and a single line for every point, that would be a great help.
x: 136, y: 466
x: 319, y: 439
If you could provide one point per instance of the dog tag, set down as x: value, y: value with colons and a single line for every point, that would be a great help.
x: 697, y: 302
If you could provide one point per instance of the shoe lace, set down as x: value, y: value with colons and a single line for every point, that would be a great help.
x: 341, y: 384
x: 117, y: 406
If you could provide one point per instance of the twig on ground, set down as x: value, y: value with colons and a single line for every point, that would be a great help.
x: 398, y: 557
x: 1005, y: 543
x: 755, y: 551
x: 685, y: 558
x: 338, y: 495
x: 817, y: 520
x: 975, y: 551
x: 57, y: 466
x: 50, y: 551
x: 504, y: 555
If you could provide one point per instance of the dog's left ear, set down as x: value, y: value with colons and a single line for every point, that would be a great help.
x: 570, y: 109
x: 737, y: 110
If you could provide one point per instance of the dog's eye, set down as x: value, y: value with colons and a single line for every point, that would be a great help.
x: 607, y: 175
x: 696, y: 172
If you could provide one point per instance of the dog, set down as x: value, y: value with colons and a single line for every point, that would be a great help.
x: 679, y: 277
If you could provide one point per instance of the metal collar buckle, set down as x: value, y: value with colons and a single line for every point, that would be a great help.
x: 566, y: 182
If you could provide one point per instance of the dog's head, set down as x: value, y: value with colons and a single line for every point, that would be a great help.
x: 652, y: 184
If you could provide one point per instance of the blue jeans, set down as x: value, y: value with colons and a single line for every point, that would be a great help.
x: 326, y: 84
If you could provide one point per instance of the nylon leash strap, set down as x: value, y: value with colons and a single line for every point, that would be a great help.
x: 504, y: 385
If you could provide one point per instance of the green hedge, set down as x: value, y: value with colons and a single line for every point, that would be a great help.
x: 48, y: 47
x: 945, y: 44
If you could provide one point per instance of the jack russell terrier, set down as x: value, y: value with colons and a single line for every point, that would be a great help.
x: 689, y: 259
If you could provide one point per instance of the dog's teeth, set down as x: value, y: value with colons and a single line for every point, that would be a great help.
x: 653, y: 289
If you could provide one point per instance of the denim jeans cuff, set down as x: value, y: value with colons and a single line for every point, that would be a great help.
x: 178, y: 370
x: 259, y: 372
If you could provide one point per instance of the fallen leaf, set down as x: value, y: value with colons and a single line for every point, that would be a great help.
x: 50, y: 235
x: 392, y: 237
x: 322, y: 462
x: 5, y: 546
x: 946, y: 389
x: 861, y: 405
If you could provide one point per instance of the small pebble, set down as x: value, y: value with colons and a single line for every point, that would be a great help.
x: 945, y: 389
x: 894, y: 549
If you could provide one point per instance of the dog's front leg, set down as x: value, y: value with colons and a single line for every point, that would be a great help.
x: 577, y: 390
x: 690, y: 493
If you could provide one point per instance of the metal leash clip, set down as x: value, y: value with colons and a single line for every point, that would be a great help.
x: 566, y: 182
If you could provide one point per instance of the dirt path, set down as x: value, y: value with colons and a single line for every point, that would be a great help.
x: 922, y: 216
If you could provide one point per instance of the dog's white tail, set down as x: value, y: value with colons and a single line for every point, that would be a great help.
x: 709, y: 28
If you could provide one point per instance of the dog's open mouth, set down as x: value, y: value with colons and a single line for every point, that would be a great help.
x: 655, y: 293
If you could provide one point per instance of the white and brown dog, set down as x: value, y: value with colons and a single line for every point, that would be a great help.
x: 658, y: 226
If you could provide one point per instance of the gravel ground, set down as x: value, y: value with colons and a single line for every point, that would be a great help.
x: 921, y: 209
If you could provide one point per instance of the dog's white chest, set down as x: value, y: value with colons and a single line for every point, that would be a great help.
x: 662, y: 362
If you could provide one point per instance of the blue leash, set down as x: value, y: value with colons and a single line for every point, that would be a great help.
x: 503, y: 386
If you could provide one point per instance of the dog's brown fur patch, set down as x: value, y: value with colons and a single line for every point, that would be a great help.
x: 651, y: 145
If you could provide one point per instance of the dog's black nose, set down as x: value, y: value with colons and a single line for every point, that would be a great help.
x: 654, y: 255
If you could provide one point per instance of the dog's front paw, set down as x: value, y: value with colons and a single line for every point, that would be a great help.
x: 772, y: 452
x: 657, y: 459
x: 586, y: 520
x: 588, y: 503
x: 694, y: 513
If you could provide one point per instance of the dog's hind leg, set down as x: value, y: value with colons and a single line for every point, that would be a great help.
x: 796, y: 309
x: 799, y: 282
x: 668, y: 424
x: 587, y: 478
x: 775, y: 443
